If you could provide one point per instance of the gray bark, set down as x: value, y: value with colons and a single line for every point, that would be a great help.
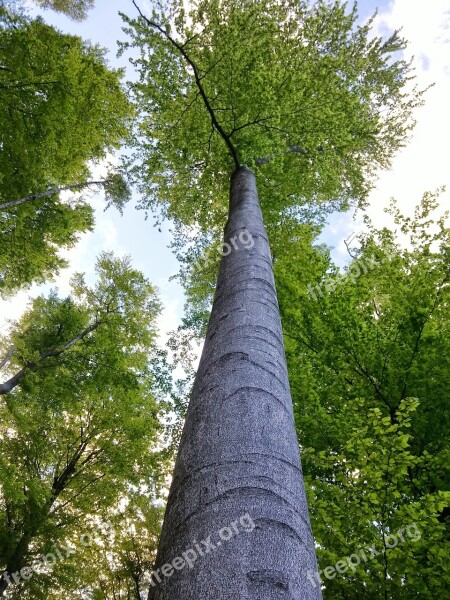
x: 239, y: 452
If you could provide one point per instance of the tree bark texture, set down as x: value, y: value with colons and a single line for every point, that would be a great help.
x: 239, y: 452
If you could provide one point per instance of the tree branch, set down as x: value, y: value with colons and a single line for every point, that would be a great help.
x: 291, y: 149
x: 33, y: 365
x: 7, y: 357
x: 31, y: 83
x: 419, y: 337
x: 348, y: 249
x: 52, y: 192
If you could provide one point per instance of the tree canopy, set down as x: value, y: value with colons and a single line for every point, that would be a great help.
x: 369, y: 371
x: 296, y: 90
x: 75, y: 9
x: 60, y: 107
x: 80, y: 429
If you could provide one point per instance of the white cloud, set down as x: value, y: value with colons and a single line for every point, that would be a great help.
x: 423, y: 164
x: 11, y: 310
x: 81, y: 258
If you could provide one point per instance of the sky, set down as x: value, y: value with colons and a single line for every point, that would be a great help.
x: 421, y: 166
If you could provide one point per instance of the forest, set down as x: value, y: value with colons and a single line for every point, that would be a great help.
x: 252, y: 402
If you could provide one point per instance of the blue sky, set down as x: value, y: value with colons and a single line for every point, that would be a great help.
x: 421, y: 166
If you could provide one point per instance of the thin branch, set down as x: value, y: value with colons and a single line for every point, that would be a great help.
x: 208, y: 71
x: 419, y: 337
x: 257, y: 121
x: 299, y: 338
x: 363, y: 371
x: 185, y: 110
x: 292, y: 149
x: 7, y: 357
x: 33, y: 365
x: 52, y: 192
x: 31, y: 83
x: 352, y: 255
x: 80, y: 491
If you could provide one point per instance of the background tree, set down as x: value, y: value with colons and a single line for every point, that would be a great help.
x: 60, y: 107
x: 75, y: 9
x: 300, y: 90
x: 79, y: 431
x: 369, y: 369
x: 113, y: 562
x: 122, y: 572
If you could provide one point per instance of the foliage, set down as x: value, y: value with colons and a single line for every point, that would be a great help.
x: 295, y: 90
x: 124, y: 565
x: 112, y: 561
x: 60, y: 106
x: 80, y: 431
x: 368, y: 360
x: 75, y: 9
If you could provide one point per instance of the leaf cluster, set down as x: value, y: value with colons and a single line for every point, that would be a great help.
x: 296, y: 90
x: 60, y: 107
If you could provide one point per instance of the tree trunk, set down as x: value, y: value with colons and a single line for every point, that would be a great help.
x: 238, y: 472
x: 11, y: 575
x: 3, y: 586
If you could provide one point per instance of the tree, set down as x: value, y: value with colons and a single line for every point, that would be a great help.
x: 120, y: 572
x: 300, y: 93
x: 114, y: 554
x: 375, y: 455
x: 80, y: 426
x: 48, y: 212
x: 75, y: 9
x: 369, y: 369
x: 60, y: 107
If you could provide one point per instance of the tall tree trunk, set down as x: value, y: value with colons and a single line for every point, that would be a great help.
x: 238, y: 465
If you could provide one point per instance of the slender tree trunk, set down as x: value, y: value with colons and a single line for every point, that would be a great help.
x: 238, y: 472
x: 3, y: 586
x: 11, y: 575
